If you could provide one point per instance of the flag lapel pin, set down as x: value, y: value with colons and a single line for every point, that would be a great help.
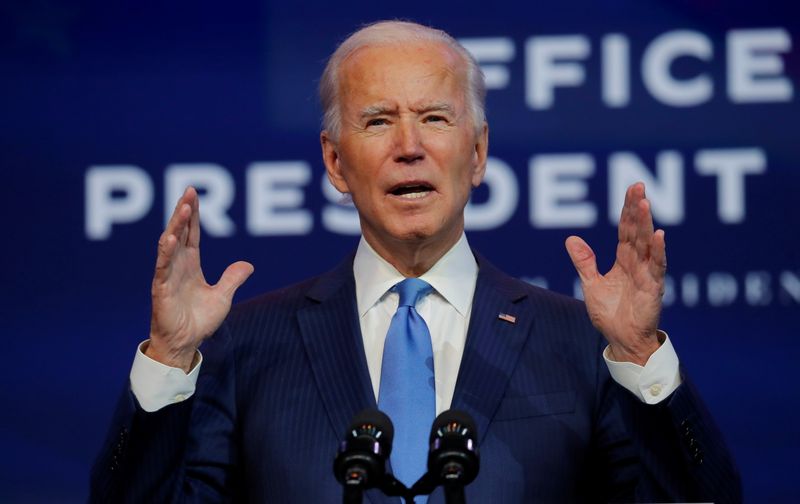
x: 511, y: 319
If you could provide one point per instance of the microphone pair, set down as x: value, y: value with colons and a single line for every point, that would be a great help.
x: 453, y: 460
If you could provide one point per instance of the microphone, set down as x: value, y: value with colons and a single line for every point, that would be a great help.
x: 361, y: 461
x: 453, y: 459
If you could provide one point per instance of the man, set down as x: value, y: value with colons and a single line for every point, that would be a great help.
x: 279, y: 380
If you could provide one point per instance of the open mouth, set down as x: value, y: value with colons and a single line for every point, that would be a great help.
x: 412, y: 191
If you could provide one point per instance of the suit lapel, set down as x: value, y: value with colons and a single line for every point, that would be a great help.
x: 493, y: 344
x: 332, y: 338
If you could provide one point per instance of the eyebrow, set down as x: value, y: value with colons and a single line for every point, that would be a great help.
x: 436, y: 107
x: 376, y: 110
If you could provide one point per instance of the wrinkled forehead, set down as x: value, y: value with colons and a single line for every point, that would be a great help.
x: 372, y: 70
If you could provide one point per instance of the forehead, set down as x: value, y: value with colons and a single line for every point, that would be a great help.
x: 402, y: 72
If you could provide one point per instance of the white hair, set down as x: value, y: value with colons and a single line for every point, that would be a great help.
x: 389, y: 33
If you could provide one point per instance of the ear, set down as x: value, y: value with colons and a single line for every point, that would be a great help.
x: 330, y: 156
x: 480, y: 155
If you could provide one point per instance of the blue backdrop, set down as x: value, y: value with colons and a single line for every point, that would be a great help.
x: 107, y: 108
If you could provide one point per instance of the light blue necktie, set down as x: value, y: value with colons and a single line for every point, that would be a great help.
x: 407, y: 393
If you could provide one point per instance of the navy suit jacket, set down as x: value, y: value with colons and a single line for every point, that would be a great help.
x: 286, y: 372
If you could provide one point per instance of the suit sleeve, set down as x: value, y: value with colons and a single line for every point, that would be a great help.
x: 681, y: 452
x: 184, y: 452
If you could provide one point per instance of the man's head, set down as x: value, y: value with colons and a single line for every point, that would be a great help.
x: 396, y: 32
x: 405, y: 134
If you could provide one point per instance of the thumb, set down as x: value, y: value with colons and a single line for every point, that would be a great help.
x: 583, y: 258
x: 234, y: 276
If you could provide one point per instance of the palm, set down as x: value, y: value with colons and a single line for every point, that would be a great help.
x: 625, y: 303
x: 186, y: 309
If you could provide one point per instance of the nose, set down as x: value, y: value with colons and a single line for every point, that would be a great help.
x: 408, y: 142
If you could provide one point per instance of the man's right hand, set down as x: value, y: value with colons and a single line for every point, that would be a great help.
x: 186, y: 309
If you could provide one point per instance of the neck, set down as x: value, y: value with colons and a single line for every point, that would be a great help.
x: 413, y: 258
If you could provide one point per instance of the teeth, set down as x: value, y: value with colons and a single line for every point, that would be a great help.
x: 414, y: 195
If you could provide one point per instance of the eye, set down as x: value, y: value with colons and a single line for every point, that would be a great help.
x: 378, y: 121
x: 435, y: 118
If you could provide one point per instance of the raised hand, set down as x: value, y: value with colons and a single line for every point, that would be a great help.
x: 625, y: 303
x: 186, y: 309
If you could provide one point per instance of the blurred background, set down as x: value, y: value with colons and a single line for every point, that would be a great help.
x: 108, y: 109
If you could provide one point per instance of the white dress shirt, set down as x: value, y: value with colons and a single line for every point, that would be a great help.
x: 446, y: 311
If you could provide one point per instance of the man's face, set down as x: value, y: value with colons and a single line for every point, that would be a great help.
x: 407, y: 151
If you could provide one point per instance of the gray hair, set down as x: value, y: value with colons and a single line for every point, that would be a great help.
x: 388, y: 33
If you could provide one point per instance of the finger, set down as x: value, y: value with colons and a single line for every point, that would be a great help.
x: 193, y: 240
x: 167, y: 245
x: 189, y: 198
x: 169, y: 240
x: 180, y: 216
x: 233, y: 277
x: 583, y: 258
x: 644, y: 229
x: 658, y: 255
x: 627, y: 219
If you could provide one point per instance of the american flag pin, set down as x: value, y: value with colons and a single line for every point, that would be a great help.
x: 511, y: 319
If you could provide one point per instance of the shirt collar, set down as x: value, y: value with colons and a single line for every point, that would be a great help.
x: 453, y: 276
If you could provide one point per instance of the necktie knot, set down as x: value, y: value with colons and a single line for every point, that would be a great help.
x: 412, y: 290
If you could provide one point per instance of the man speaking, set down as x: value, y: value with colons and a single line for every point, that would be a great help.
x: 569, y: 407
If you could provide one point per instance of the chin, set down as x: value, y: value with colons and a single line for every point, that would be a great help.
x: 421, y: 232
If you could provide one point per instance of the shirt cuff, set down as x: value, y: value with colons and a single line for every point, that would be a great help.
x: 156, y: 385
x: 653, y: 382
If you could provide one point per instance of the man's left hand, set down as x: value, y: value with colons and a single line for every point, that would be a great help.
x: 625, y: 303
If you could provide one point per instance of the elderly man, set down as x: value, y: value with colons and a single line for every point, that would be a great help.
x: 258, y: 415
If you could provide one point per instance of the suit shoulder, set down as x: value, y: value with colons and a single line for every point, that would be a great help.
x: 279, y: 307
x: 543, y: 299
x: 562, y: 317
x: 290, y: 296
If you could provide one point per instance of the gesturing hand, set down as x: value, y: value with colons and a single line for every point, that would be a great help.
x: 186, y: 309
x: 625, y: 303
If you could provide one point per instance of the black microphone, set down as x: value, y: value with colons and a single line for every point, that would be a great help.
x: 361, y: 461
x: 453, y: 460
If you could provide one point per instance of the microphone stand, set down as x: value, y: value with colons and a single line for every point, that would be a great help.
x: 353, y: 495
x: 454, y: 493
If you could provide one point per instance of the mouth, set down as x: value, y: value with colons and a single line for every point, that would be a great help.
x: 411, y: 190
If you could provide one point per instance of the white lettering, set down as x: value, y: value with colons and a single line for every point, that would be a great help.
x: 616, y: 71
x: 690, y: 290
x: 722, y: 288
x: 215, y: 191
x: 339, y: 215
x: 669, y: 291
x: 665, y: 191
x: 754, y: 69
x: 577, y: 289
x: 105, y: 206
x: 659, y: 56
x: 274, y: 198
x: 757, y: 290
x: 488, y: 52
x: 545, y: 68
x: 502, y: 202
x: 558, y: 189
x: 730, y: 167
x: 790, y: 285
